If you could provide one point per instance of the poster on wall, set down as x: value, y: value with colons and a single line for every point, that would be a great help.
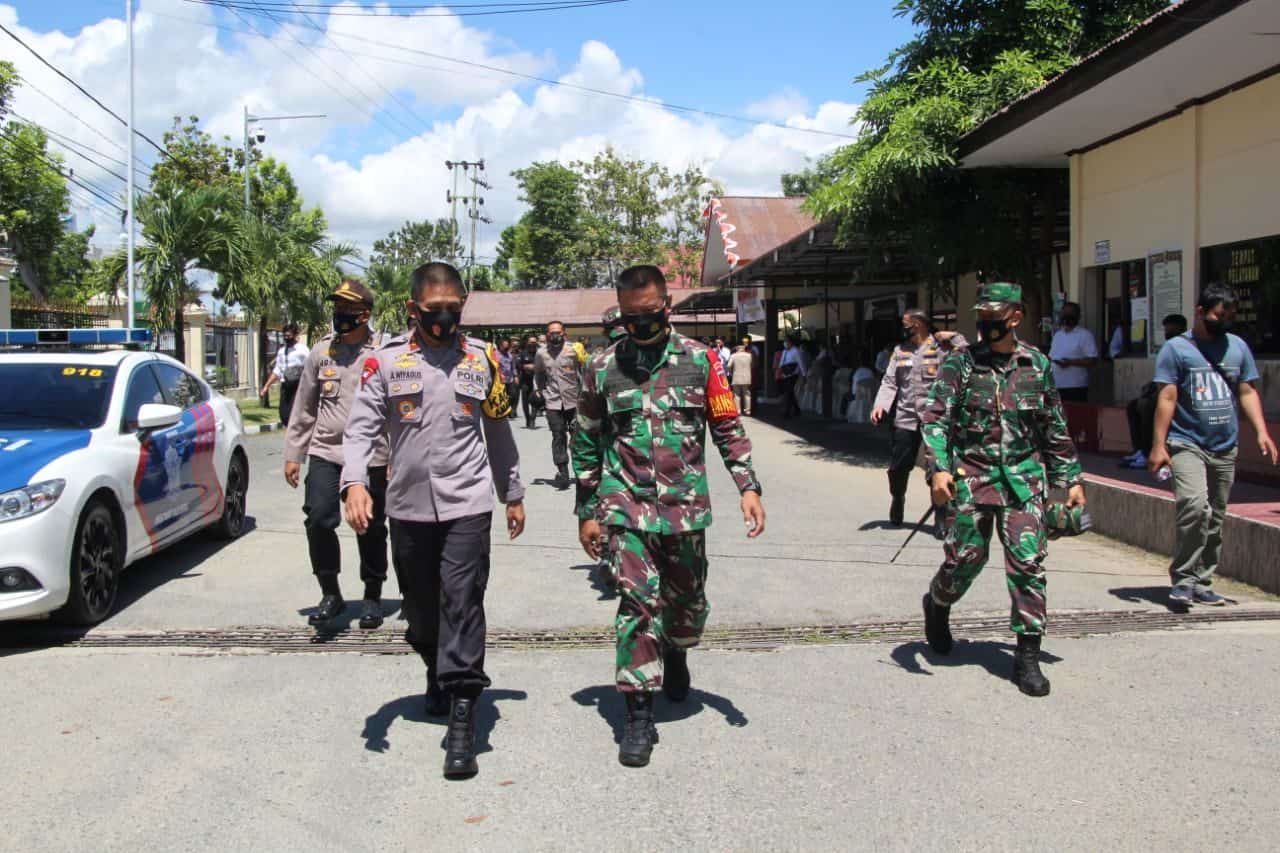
x: 1165, y: 269
x: 750, y: 304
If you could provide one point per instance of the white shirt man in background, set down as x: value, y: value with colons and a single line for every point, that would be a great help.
x: 1073, y: 352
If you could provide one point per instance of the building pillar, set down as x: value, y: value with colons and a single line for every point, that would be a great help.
x: 1190, y: 237
x: 771, y: 345
x: 1076, y: 249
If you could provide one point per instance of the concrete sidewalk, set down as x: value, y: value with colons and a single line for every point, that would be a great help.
x: 877, y: 747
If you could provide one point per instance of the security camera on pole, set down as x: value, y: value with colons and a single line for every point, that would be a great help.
x: 258, y: 135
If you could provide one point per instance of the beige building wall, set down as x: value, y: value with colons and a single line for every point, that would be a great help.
x: 1209, y: 175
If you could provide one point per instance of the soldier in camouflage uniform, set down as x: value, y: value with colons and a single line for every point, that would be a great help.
x: 996, y: 439
x: 638, y: 455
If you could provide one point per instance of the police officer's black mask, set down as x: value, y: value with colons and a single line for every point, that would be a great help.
x: 437, y: 325
x: 555, y: 339
x: 344, y: 322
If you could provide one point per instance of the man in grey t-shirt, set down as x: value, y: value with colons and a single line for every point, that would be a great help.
x: 1197, y: 430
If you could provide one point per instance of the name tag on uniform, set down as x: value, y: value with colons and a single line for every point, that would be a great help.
x: 470, y: 382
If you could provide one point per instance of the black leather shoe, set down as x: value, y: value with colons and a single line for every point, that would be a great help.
x: 436, y: 701
x: 1026, y: 666
x: 330, y: 608
x: 675, y: 675
x: 562, y: 480
x: 937, y: 628
x: 896, y: 510
x: 370, y: 613
x: 460, y: 740
x: 639, y: 734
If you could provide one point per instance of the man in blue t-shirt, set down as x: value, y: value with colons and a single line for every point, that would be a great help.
x: 1202, y: 374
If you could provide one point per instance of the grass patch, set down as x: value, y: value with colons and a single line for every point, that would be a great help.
x: 254, y: 413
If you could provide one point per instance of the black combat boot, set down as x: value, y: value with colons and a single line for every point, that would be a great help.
x: 1026, y: 666
x: 898, y: 491
x: 370, y: 613
x: 436, y: 701
x: 460, y: 740
x: 937, y: 629
x: 639, y: 734
x: 329, y: 608
x: 562, y: 480
x: 675, y: 674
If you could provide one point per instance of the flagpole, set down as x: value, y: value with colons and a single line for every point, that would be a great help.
x: 128, y: 6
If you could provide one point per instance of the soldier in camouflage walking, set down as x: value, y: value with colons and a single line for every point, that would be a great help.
x: 996, y: 439
x: 639, y: 457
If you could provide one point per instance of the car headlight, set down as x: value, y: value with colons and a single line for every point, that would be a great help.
x: 30, y: 500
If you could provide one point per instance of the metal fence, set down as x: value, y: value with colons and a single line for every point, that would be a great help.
x: 29, y: 314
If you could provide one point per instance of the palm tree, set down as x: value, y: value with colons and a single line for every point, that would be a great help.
x: 183, y: 229
x: 390, y: 286
x: 284, y: 273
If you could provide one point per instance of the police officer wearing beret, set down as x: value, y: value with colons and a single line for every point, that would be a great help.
x: 326, y: 387
x: 440, y: 398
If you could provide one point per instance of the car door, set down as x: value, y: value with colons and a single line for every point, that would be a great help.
x: 193, y: 480
x: 154, y: 495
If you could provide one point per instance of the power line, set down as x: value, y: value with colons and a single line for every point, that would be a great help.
x: 72, y: 150
x: 373, y: 115
x: 421, y: 10
x: 27, y: 84
x: 376, y: 81
x: 663, y: 105
x: 99, y: 193
x: 82, y: 89
x: 68, y: 142
x: 310, y: 49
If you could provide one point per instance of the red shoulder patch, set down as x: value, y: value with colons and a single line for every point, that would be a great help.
x: 370, y: 368
x: 721, y: 404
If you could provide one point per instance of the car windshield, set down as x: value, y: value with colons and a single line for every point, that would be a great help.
x: 54, y: 395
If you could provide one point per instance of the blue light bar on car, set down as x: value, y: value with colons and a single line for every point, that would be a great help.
x: 73, y: 337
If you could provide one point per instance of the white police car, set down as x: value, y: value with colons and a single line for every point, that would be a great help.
x: 107, y: 455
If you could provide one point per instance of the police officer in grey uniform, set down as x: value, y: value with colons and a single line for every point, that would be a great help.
x: 558, y: 374
x: 440, y: 397
x: 326, y: 386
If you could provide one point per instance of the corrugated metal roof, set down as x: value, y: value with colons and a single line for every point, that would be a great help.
x: 525, y: 308
x: 751, y: 226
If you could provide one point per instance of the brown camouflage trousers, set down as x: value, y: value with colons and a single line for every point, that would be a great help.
x: 662, y: 600
x: 968, y: 544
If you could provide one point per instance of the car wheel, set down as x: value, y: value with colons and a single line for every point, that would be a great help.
x: 231, y: 525
x: 96, y: 561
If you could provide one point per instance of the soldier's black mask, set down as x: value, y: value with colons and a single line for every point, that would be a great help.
x: 437, y: 325
x: 993, y: 330
x: 645, y: 328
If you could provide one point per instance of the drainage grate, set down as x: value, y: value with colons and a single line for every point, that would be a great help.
x: 387, y: 641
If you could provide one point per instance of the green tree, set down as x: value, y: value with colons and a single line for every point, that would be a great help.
x: 390, y: 286
x: 550, y: 235
x: 71, y: 271
x: 183, y: 229
x: 899, y: 185
x: 195, y: 159
x: 416, y: 243
x: 33, y: 200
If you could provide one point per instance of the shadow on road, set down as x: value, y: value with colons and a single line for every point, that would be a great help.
x: 1146, y: 595
x: 609, y: 703
x: 412, y: 709
x: 994, y: 656
x: 859, y: 445
x: 600, y: 580
x: 176, y: 562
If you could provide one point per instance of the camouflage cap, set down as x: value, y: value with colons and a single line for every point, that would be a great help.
x: 997, y: 295
x: 1062, y: 520
x: 352, y: 291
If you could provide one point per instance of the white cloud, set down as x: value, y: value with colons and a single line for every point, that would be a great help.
x: 369, y: 179
x: 781, y: 105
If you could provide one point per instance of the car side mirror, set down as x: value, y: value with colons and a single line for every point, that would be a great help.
x: 157, y: 416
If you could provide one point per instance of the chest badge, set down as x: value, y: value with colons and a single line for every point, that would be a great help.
x: 415, y: 386
x: 467, y: 410
x: 327, y: 388
x: 407, y: 408
x: 328, y: 373
x: 406, y: 360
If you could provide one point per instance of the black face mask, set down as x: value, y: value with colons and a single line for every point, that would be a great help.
x: 555, y: 340
x: 437, y: 325
x: 343, y: 323
x: 993, y: 331
x: 1070, y: 321
x: 1217, y: 328
x: 908, y: 333
x: 645, y: 328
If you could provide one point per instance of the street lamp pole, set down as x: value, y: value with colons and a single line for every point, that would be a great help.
x: 128, y: 7
x: 248, y: 317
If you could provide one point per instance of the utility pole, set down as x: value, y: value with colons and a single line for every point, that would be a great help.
x: 472, y: 202
x: 128, y: 7
x: 259, y: 136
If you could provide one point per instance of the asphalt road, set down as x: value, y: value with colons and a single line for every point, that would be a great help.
x: 1160, y: 740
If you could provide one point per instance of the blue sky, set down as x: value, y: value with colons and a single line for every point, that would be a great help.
x: 791, y: 63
